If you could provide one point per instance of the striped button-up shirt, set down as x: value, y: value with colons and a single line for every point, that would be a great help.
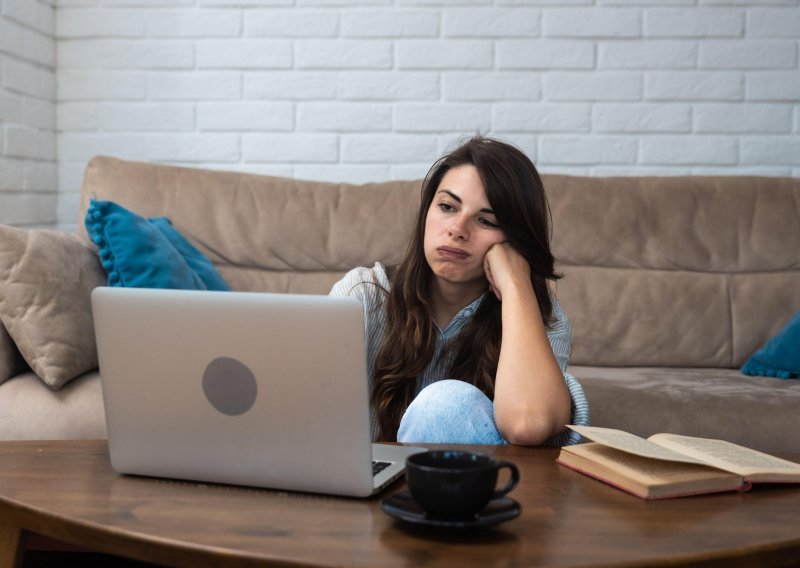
x: 365, y: 284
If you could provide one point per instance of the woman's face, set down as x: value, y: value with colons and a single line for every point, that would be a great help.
x: 460, y: 228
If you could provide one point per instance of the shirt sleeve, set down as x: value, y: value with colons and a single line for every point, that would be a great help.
x: 366, y: 285
x: 560, y: 336
x: 353, y: 284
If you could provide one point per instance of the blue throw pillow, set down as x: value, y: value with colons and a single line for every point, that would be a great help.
x: 780, y: 357
x: 147, y: 253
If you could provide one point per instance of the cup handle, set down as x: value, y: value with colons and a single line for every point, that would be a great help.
x: 512, y: 483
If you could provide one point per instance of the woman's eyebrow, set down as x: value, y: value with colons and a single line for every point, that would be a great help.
x: 457, y: 198
x: 451, y: 194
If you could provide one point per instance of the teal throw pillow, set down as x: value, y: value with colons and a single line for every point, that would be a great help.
x: 147, y: 253
x: 780, y: 357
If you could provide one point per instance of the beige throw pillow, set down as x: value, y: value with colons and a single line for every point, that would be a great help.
x: 9, y: 356
x: 46, y: 278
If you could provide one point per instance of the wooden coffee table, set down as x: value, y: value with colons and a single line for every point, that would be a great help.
x: 67, y: 490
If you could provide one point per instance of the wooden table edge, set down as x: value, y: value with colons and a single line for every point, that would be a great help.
x: 17, y: 519
x: 149, y: 548
x: 783, y: 554
x: 96, y: 537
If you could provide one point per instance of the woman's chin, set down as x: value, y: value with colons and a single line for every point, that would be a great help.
x: 461, y: 278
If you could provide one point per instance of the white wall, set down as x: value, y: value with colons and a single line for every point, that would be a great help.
x: 372, y: 90
x: 27, y: 113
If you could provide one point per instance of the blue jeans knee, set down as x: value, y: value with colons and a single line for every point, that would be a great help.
x: 450, y: 411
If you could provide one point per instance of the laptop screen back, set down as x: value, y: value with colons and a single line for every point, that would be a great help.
x: 245, y: 388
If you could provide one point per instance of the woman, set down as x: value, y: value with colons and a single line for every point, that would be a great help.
x: 465, y: 343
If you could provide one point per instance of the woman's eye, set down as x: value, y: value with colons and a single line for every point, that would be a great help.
x: 446, y: 207
x: 488, y: 223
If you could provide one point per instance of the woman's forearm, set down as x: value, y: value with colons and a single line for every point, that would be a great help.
x: 531, y: 399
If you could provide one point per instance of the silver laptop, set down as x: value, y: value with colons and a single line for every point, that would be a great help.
x: 266, y: 390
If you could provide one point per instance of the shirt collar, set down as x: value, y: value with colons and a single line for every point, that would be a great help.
x: 462, y: 316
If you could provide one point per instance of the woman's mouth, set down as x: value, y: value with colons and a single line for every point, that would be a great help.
x: 452, y: 253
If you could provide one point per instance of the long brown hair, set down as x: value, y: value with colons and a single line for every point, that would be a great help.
x: 516, y: 195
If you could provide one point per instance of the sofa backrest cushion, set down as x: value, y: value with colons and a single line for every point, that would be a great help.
x: 263, y: 232
x: 681, y: 271
x: 686, y: 271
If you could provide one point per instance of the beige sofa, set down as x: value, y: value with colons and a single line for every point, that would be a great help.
x: 670, y: 283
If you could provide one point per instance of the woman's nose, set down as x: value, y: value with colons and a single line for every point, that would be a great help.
x: 458, y: 230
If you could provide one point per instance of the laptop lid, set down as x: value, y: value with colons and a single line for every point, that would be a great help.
x: 244, y: 388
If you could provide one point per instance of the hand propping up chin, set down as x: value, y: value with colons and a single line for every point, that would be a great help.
x: 505, y: 269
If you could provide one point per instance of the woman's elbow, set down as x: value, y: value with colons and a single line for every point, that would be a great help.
x: 531, y: 432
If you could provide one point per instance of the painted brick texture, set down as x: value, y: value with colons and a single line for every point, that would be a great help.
x: 28, y: 171
x: 365, y: 90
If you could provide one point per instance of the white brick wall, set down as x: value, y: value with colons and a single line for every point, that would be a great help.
x: 28, y: 173
x: 360, y: 90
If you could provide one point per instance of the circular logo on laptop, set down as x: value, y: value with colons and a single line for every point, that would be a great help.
x: 230, y: 386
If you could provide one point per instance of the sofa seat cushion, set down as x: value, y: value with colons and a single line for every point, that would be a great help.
x: 758, y: 412
x: 31, y: 410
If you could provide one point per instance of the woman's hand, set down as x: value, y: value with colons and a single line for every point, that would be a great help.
x: 531, y: 400
x: 504, y: 268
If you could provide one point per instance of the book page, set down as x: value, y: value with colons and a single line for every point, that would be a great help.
x: 726, y: 455
x: 646, y: 477
x: 632, y: 444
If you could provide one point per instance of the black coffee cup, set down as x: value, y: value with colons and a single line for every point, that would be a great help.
x: 456, y: 484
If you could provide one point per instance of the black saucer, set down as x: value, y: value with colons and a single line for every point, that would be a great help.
x: 402, y: 506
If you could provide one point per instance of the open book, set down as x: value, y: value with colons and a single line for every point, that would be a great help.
x: 669, y: 465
